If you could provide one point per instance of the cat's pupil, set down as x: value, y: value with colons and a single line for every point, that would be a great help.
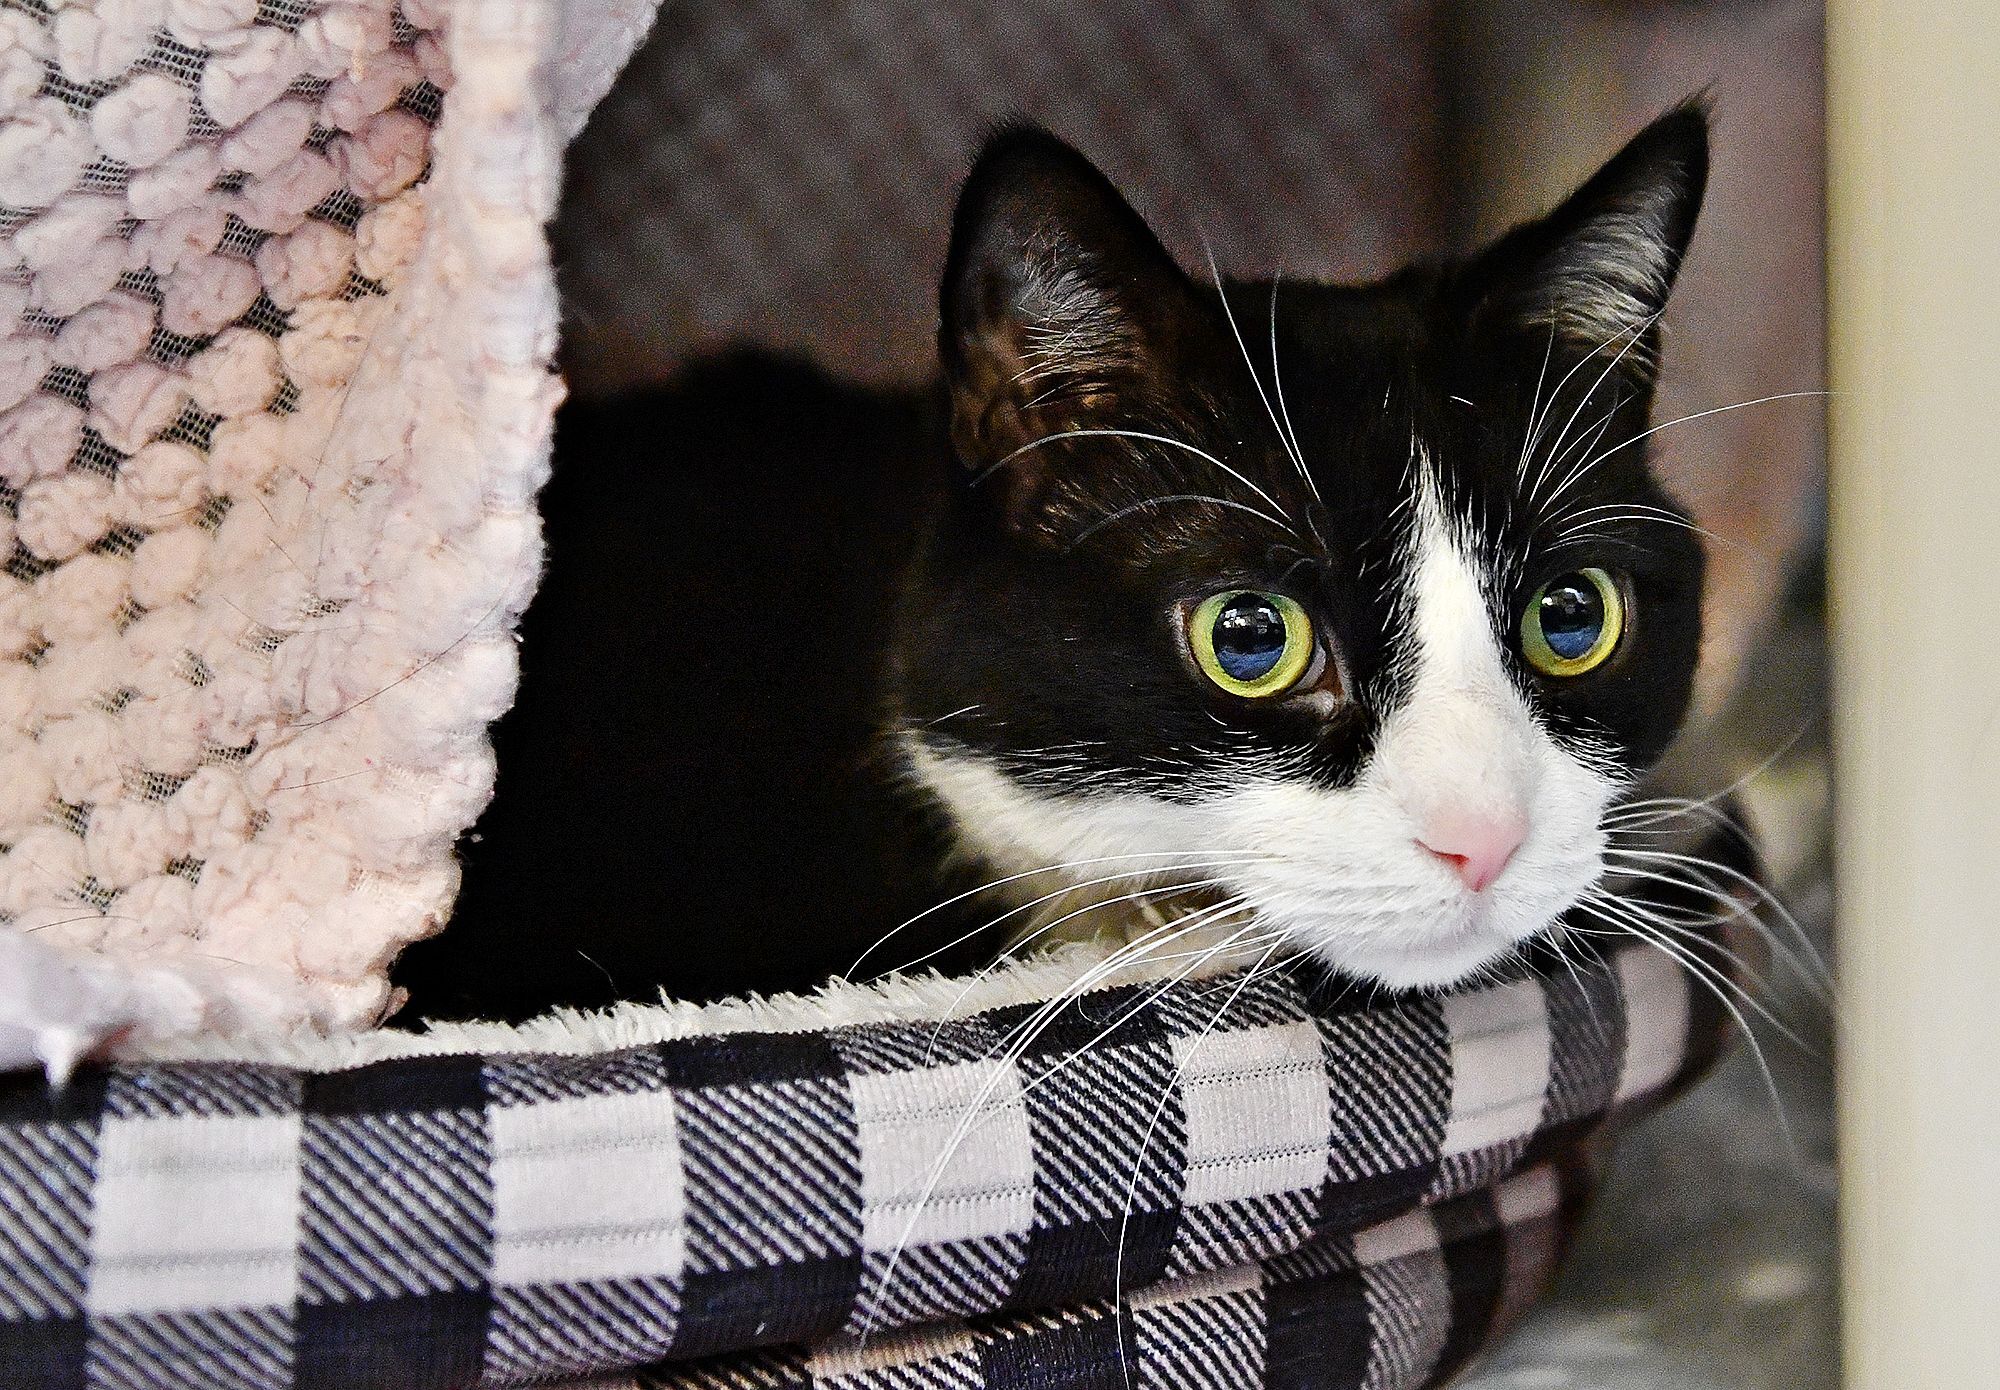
x: 1572, y: 614
x: 1249, y: 637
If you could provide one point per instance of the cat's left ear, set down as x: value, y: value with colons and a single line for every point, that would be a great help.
x: 1594, y: 275
x: 1059, y: 310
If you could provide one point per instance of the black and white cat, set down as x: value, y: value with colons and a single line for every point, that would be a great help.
x: 1349, y: 612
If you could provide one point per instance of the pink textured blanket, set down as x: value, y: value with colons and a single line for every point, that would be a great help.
x: 275, y: 391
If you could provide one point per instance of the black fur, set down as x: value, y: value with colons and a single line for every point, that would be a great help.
x: 755, y: 575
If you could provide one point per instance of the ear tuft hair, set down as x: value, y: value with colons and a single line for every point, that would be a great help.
x: 1599, y: 268
x: 1057, y: 300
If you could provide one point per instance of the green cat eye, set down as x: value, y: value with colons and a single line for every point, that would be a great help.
x: 1573, y: 623
x: 1253, y: 645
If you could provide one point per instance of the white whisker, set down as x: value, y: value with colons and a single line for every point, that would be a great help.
x: 1167, y: 1093
x: 1124, y: 512
x: 1535, y: 402
x: 1540, y: 423
x: 1640, y: 920
x: 1143, y: 895
x: 1015, y: 1045
x: 1638, y: 333
x: 1819, y: 974
x: 1246, y: 857
x: 1167, y: 440
x: 1257, y: 381
x: 1668, y: 424
x: 1278, y: 385
x: 1681, y: 955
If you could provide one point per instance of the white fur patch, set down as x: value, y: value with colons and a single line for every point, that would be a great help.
x: 1073, y: 329
x: 1612, y: 276
x: 1342, y: 872
x: 839, y: 1003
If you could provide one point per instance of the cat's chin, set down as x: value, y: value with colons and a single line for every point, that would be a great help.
x: 1437, y: 959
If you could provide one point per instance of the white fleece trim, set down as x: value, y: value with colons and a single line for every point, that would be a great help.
x: 894, y: 999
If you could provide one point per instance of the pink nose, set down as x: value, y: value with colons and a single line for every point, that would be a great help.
x: 1476, y: 847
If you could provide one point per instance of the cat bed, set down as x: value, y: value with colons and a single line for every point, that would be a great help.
x: 1236, y: 1182
x: 275, y: 393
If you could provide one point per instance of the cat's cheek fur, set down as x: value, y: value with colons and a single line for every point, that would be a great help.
x: 1130, y: 838
x: 1338, y: 872
x: 1348, y: 880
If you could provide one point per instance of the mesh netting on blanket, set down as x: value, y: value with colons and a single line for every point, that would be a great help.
x: 274, y: 403
x: 275, y: 394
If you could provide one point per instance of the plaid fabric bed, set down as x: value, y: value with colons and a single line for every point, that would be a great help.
x: 1405, y: 1303
x: 1307, y: 1171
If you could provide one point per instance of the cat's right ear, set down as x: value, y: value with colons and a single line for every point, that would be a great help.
x: 1059, y: 310
x: 1594, y: 275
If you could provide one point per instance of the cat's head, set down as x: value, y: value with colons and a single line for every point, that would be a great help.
x: 1357, y: 606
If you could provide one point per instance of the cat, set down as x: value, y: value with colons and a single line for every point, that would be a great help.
x: 1349, y: 612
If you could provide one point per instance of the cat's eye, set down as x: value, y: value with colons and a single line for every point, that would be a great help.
x: 1573, y: 623
x: 1253, y: 645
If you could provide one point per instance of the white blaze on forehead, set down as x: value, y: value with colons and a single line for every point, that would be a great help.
x: 1453, y: 626
x: 1464, y: 737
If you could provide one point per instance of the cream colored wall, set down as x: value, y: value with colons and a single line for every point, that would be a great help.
x: 1914, y: 283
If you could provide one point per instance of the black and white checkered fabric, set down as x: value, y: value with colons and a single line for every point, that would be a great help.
x: 1343, y: 1188
x: 1408, y: 1302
